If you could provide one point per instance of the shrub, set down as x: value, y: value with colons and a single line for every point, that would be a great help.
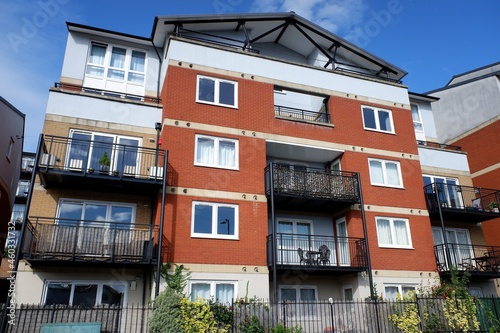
x: 165, y: 317
x: 197, y: 317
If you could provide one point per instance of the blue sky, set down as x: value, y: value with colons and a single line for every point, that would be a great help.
x: 431, y: 40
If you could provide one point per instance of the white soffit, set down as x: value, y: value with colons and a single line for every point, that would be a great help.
x: 294, y: 151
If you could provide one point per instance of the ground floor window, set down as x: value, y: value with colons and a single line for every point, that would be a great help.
x: 219, y: 291
x: 298, y: 293
x: 392, y: 290
x: 86, y: 293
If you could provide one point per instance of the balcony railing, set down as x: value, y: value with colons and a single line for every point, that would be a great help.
x: 438, y: 145
x: 476, y: 259
x: 299, y: 114
x: 58, y: 240
x: 87, y: 157
x: 467, y: 201
x: 344, y: 253
x: 313, y: 183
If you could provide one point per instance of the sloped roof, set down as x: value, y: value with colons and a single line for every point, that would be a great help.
x: 288, y: 29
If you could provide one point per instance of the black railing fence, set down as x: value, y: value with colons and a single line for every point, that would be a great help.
x: 300, y: 114
x: 308, y: 317
x: 461, y: 197
x: 472, y: 258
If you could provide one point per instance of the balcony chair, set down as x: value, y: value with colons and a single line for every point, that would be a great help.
x: 302, y: 258
x: 324, y: 255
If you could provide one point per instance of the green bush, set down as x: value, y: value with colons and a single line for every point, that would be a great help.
x: 166, y: 314
x: 282, y: 329
x: 252, y: 326
x: 197, y: 317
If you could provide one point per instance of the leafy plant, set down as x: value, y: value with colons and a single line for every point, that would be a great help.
x: 105, y: 160
x: 178, y: 279
x: 197, y: 317
x: 282, y: 329
x: 222, y: 314
x: 492, y: 205
x: 405, y: 316
x: 252, y: 326
x: 165, y: 317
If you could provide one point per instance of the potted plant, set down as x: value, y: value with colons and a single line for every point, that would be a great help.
x: 493, y: 206
x: 104, y: 163
x: 91, y: 170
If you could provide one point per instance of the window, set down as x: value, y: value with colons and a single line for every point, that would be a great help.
x: 298, y: 293
x: 216, y: 152
x: 72, y: 211
x: 220, y: 291
x: 391, y: 291
x: 89, y: 147
x: 23, y: 188
x: 85, y: 293
x: 377, y: 119
x: 27, y: 163
x: 217, y: 91
x: 18, y: 213
x: 116, y: 63
x: 214, y: 220
x: 448, y: 190
x: 385, y: 173
x: 417, y: 118
x: 393, y: 232
x: 10, y: 148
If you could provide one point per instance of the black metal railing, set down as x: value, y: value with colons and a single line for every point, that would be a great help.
x: 323, y: 316
x: 300, y: 114
x: 313, y: 183
x: 459, y: 197
x: 94, y: 241
x: 317, y: 251
x: 107, y: 93
x: 438, y: 145
x: 100, y: 158
x: 467, y: 257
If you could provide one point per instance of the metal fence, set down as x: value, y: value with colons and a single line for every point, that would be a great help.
x: 307, y: 317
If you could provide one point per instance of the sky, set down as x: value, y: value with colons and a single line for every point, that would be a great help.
x: 431, y: 40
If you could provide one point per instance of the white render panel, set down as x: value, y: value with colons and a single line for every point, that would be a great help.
x: 443, y: 159
x: 275, y: 69
x: 99, y: 109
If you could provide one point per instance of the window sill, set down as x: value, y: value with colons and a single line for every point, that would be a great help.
x: 389, y: 186
x: 235, y: 107
x: 395, y: 247
x: 217, y: 167
x: 215, y: 237
x: 378, y: 131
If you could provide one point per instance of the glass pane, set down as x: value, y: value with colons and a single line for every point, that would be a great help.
x: 137, y: 61
x: 18, y: 213
x: 79, y: 149
x: 112, y: 294
x: 126, y: 156
x: 226, y: 221
x: 414, y: 113
x: 94, y: 70
x: 288, y: 294
x: 70, y: 213
x: 136, y: 78
x: 307, y: 294
x: 385, y: 121
x: 203, y: 219
x: 85, y: 294
x: 122, y: 215
x: 116, y: 74
x: 369, y: 118
x: 391, y: 292
x: 206, y: 89
x: 384, y: 231
x: 205, y: 151
x: 401, y: 232
x: 224, y: 293
x: 392, y: 174
x: 95, y: 212
x: 58, y: 293
x: 117, y: 58
x: 226, y: 93
x: 376, y: 173
x: 97, y: 54
x: 348, y: 296
x: 200, y: 290
x: 406, y: 289
x: 227, y: 153
x: 102, y: 144
x: 285, y: 227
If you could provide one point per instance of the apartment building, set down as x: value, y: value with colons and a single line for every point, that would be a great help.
x: 11, y: 147
x: 293, y: 169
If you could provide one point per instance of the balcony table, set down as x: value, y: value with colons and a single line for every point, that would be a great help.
x: 487, y: 263
x: 312, y: 257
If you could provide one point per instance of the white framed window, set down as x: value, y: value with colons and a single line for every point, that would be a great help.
x: 216, y: 152
x: 116, y: 63
x: 88, y: 293
x: 392, y: 290
x: 417, y: 118
x: 377, y: 119
x: 214, y: 220
x: 216, y: 91
x: 448, y: 191
x: 71, y: 212
x: 219, y: 291
x: 393, y: 232
x: 385, y: 173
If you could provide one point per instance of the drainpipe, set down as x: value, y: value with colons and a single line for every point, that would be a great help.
x: 20, y: 245
x: 273, y: 231
x: 162, y: 221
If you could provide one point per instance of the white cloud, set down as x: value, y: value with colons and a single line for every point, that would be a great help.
x: 337, y: 16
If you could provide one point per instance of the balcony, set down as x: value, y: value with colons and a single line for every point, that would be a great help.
x: 289, y: 113
x: 478, y: 260
x: 54, y: 242
x: 301, y: 252
x: 311, y: 189
x: 438, y: 145
x: 100, y: 166
x: 462, y: 203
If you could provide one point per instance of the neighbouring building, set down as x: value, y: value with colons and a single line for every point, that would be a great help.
x: 11, y: 148
x: 299, y: 167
